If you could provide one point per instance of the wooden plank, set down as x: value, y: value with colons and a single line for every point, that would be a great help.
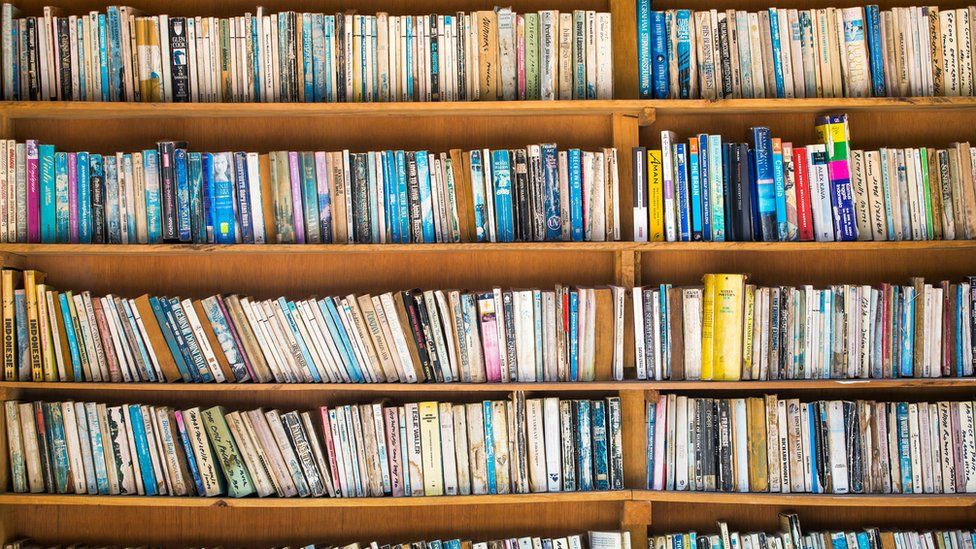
x: 626, y: 136
x: 635, y: 518
x: 623, y: 15
x: 822, y: 500
x: 813, y: 105
x: 634, y: 438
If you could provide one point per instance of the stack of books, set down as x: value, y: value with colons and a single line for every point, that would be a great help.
x: 791, y: 536
x: 591, y: 540
x: 772, y: 444
x: 370, y: 450
x: 168, y: 194
x: 564, y: 334
x: 125, y: 55
x: 729, y: 330
x: 770, y: 190
x: 827, y: 52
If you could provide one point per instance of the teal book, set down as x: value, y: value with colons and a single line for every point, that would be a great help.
x: 716, y: 188
x: 45, y: 156
x: 310, y: 198
x: 62, y: 212
x: 239, y: 482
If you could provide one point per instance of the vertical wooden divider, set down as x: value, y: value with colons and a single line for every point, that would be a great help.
x: 635, y: 515
x: 623, y: 15
x: 626, y: 136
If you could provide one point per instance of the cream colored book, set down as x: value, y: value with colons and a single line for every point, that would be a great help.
x: 430, y: 444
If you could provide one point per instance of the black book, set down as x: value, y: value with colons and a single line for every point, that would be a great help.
x: 754, y: 198
x: 33, y: 62
x: 428, y: 333
x: 413, y: 196
x: 360, y: 207
x: 179, y: 70
x: 785, y: 337
x: 96, y: 183
x: 725, y: 56
x: 340, y: 57
x: 417, y: 331
x: 508, y: 306
x: 711, y: 444
x: 821, y: 445
x: 725, y: 481
x: 571, y: 479
x: 537, y: 193
x: 774, y: 336
x: 435, y: 60
x: 698, y: 438
x: 855, y: 459
x: 167, y: 191
x: 459, y: 55
x: 728, y: 204
x: 64, y: 57
x: 523, y: 211
x: 639, y: 170
x: 743, y: 194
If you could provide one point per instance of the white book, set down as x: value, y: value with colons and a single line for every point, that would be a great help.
x: 948, y: 463
x: 76, y: 464
x: 915, y: 449
x: 477, y: 461
x: 681, y: 443
x: 837, y: 446
x: 967, y: 428
x: 639, y: 329
x: 414, y: 450
x: 15, y: 447
x: 32, y: 455
x: 950, y: 53
x: 288, y: 455
x: 204, y: 342
x: 459, y: 415
x: 692, y: 335
x: 259, y: 475
x: 604, y: 56
x: 448, y: 456
x: 668, y: 138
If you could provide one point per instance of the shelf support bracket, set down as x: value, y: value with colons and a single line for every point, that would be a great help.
x: 635, y: 518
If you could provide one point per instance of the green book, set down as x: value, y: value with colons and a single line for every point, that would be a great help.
x: 532, y: 56
x: 239, y: 482
x: 927, y: 191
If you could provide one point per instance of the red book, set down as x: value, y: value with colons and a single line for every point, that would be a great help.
x: 804, y: 217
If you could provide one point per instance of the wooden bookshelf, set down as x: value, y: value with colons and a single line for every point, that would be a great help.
x: 295, y: 270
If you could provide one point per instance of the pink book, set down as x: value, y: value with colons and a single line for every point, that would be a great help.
x: 73, y: 197
x: 489, y: 330
x: 392, y: 421
x: 33, y: 193
x: 520, y: 54
x: 295, y: 174
x: 660, y: 435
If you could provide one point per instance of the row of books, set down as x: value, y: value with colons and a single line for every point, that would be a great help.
x: 368, y: 450
x: 728, y: 330
x: 168, y: 194
x: 791, y: 536
x: 770, y: 190
x: 125, y: 55
x: 590, y: 540
x: 826, y: 52
x: 564, y: 334
x: 772, y: 444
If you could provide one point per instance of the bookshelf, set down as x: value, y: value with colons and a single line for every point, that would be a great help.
x: 271, y: 270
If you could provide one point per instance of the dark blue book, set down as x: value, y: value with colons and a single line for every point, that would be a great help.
x: 174, y: 338
x: 644, y: 50
x: 242, y: 196
x: 197, y: 210
x: 550, y: 183
x: 182, y: 178
x: 193, y: 349
x: 601, y: 464
x: 729, y: 203
x: 584, y: 444
x: 765, y: 183
x: 142, y: 449
x: 754, y: 197
x: 206, y: 190
x: 191, y: 461
x: 501, y: 173
x: 659, y: 55
x: 872, y: 19
x: 681, y: 186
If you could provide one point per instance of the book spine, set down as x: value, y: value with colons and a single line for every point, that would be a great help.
x: 645, y: 62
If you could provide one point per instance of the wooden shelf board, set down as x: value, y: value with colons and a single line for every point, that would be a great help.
x: 746, y: 106
x: 812, y: 500
x: 550, y: 387
x: 274, y: 503
x: 114, y: 111
x: 598, y: 247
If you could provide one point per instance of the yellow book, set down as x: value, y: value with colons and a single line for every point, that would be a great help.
x: 750, y: 311
x: 47, y: 341
x: 488, y: 68
x: 357, y: 68
x: 655, y: 196
x: 31, y: 280
x: 708, y: 326
x: 9, y: 284
x: 727, y: 306
x: 430, y: 444
x: 142, y: 52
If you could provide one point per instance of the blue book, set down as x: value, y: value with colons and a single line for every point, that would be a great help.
x: 307, y: 68
x: 61, y: 202
x: 329, y: 31
x: 550, y: 190
x: 191, y: 462
x: 839, y: 540
x: 779, y: 184
x: 489, y: 448
x: 478, y: 196
x: 392, y: 196
x: 142, y: 449
x: 103, y: 59
x: 256, y: 66
x: 402, y: 196
x: 908, y: 333
x: 154, y: 213
x: 644, y: 52
x: 601, y: 465
x: 69, y: 329
x: 765, y: 183
x: 814, y: 435
x: 291, y: 312
x: 502, y: 179
x: 681, y: 188
x: 685, y: 47
x: 716, y: 190
x: 573, y: 336
x: 325, y: 200
x: 695, y: 190
x: 664, y: 315
x: 679, y: 542
x: 904, y: 447
x: 650, y: 431
x: 198, y: 229
x: 410, y: 61
x: 426, y: 200
x: 862, y: 540
x: 225, y: 230
x: 659, y: 53
x: 84, y: 198
x: 584, y: 445
x: 754, y: 197
x: 182, y: 178
x: 57, y: 445
x: 777, y: 52
x: 207, y: 188
x: 872, y: 19
x: 192, y: 346
x: 167, y: 326
x: 704, y: 162
x: 115, y: 66
x: 310, y: 196
x: 343, y: 343
x: 242, y: 200
x: 97, y: 448
x: 48, y: 184
x: 435, y: 544
x: 575, y: 165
